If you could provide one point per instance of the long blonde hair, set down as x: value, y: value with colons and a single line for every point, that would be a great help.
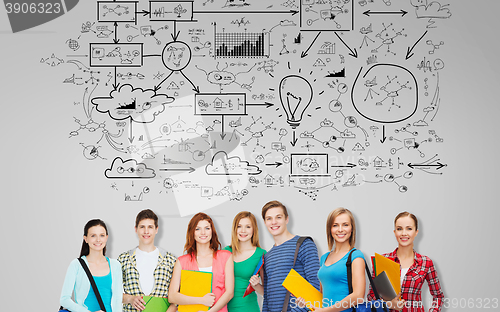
x: 234, y: 236
x: 329, y: 223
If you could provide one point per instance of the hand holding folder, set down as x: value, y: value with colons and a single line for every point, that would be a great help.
x: 195, y: 284
x: 250, y: 289
x: 300, y: 287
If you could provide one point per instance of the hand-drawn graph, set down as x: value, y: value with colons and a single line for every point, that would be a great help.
x: 244, y: 44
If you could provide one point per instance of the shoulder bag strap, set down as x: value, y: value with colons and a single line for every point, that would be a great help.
x: 349, y: 278
x: 287, y: 296
x: 92, y: 282
x: 348, y: 264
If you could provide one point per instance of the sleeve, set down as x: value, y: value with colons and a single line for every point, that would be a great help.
x: 171, y: 259
x: 434, y: 288
x: 308, y: 255
x: 357, y: 254
x: 121, y: 259
x: 117, y: 286
x: 67, y: 291
x: 228, y: 248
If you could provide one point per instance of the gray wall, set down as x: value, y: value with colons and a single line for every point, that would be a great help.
x: 50, y: 190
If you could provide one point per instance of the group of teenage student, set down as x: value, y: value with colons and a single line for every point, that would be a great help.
x: 150, y: 270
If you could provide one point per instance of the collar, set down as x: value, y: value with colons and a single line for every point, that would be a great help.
x: 162, y: 251
x: 417, y: 258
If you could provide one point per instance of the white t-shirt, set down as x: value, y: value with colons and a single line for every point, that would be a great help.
x: 207, y: 269
x: 403, y: 274
x: 146, y: 265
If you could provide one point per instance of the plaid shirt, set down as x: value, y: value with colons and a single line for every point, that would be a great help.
x: 162, y: 274
x: 411, y: 289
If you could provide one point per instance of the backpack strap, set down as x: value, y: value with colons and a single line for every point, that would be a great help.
x: 348, y: 264
x: 299, y: 243
x: 92, y: 282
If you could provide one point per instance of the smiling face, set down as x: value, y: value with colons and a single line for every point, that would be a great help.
x: 405, y: 231
x: 341, y: 228
x: 244, y: 230
x: 203, y: 232
x: 96, y: 238
x: 276, y: 221
x: 146, y: 231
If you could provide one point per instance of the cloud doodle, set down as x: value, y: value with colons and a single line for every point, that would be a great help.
x: 347, y: 134
x: 128, y: 169
x: 432, y: 10
x: 223, y: 165
x: 135, y: 103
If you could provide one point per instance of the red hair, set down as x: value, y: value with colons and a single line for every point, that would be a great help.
x: 190, y: 246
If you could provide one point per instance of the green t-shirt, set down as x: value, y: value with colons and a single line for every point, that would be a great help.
x: 243, y: 271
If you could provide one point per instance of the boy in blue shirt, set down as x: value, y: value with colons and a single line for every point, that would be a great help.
x: 278, y: 261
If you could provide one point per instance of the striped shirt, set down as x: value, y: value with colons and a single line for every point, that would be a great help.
x: 277, y: 264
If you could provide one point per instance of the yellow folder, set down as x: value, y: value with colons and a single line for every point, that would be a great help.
x: 300, y: 287
x: 392, y: 270
x: 195, y: 284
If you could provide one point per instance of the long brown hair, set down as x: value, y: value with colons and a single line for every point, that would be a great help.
x: 190, y: 246
x: 329, y: 224
x: 85, y: 246
x: 234, y: 236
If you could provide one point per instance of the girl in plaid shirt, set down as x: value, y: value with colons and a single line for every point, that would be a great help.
x: 415, y: 268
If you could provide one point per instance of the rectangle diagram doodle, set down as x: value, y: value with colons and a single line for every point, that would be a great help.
x: 171, y: 11
x: 116, y: 54
x: 326, y: 15
x: 309, y: 165
x: 119, y: 12
x: 220, y: 104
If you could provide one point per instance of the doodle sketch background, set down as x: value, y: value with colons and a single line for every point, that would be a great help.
x: 49, y: 190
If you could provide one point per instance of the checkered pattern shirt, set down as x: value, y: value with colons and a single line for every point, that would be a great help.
x: 162, y: 274
x: 411, y: 289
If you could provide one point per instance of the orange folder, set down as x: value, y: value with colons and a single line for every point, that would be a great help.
x: 392, y: 270
x: 195, y: 284
x: 300, y: 287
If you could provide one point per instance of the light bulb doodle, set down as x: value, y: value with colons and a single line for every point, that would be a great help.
x: 296, y: 94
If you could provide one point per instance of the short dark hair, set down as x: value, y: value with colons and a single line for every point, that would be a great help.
x: 273, y: 204
x: 146, y: 214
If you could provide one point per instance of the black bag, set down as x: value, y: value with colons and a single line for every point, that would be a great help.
x: 367, y: 306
